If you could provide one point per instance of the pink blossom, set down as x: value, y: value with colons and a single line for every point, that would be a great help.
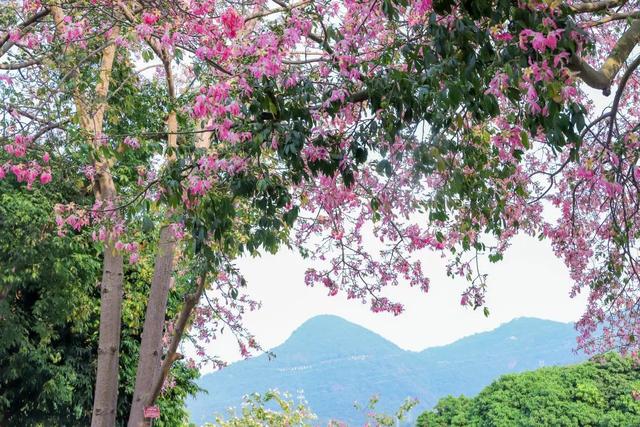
x: 584, y: 173
x: 465, y: 299
x: 424, y: 6
x: 234, y: 109
x: 88, y: 171
x: 552, y: 39
x: 532, y: 100
x: 503, y: 37
x: 177, y: 228
x: 149, y: 18
x: 200, y: 108
x: 232, y: 22
x: 14, y: 35
x: 45, y: 177
x: 497, y: 85
x: 314, y: 153
x: 539, y: 42
x: 560, y: 58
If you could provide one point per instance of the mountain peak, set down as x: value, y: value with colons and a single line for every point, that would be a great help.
x: 327, y: 333
x: 532, y: 325
x: 323, y: 320
x: 532, y: 320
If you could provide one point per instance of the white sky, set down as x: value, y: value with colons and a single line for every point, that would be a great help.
x: 530, y: 281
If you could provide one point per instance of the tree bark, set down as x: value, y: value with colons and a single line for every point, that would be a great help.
x: 595, y: 6
x: 152, y: 369
x: 151, y: 346
x: 105, y: 400
x: 603, y: 78
x: 180, y: 326
x: 106, y: 390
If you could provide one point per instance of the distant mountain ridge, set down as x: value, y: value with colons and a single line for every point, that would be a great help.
x: 337, y: 362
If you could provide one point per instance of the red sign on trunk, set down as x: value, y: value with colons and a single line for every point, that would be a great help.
x: 152, y: 412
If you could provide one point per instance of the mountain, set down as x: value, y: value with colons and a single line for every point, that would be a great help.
x: 337, y: 363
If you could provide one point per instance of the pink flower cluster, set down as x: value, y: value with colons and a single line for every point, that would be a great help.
x: 73, y: 32
x: 538, y: 41
x: 25, y: 171
x: 232, y: 22
x: 131, y: 248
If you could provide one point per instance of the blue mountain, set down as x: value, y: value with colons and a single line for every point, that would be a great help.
x: 337, y: 363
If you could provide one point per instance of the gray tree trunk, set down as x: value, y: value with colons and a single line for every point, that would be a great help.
x: 150, y: 356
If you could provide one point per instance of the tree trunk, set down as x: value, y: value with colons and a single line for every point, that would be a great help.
x: 150, y: 356
x: 152, y: 370
x: 106, y: 391
x: 149, y: 359
x: 180, y: 326
x: 105, y: 400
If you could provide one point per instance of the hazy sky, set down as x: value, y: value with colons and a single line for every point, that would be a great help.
x: 530, y: 281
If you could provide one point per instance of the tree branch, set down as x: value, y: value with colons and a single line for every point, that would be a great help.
x: 616, y: 101
x: 28, y: 22
x: 595, y: 6
x: 20, y: 65
x: 603, y: 78
x: 181, y: 325
x: 613, y: 17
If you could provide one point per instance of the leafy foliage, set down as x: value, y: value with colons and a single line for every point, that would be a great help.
x: 256, y: 412
x: 600, y: 392
x: 47, y: 314
x: 49, y: 301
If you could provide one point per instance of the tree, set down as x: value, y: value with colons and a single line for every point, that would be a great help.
x: 602, y: 391
x: 443, y: 125
x: 49, y: 317
x: 45, y: 315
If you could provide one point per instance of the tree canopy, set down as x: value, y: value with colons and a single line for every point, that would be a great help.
x: 221, y: 129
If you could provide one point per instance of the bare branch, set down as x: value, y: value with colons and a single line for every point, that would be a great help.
x: 602, y: 78
x: 20, y: 65
x: 616, y: 101
x: 596, y: 6
x: 613, y: 17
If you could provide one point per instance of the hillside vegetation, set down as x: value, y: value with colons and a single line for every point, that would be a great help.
x: 600, y: 392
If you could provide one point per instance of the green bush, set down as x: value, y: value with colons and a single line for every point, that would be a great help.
x: 595, y: 393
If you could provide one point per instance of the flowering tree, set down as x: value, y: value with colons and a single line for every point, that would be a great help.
x: 447, y: 125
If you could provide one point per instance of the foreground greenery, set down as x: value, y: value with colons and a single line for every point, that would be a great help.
x: 601, y: 392
x: 276, y: 409
x: 49, y: 311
